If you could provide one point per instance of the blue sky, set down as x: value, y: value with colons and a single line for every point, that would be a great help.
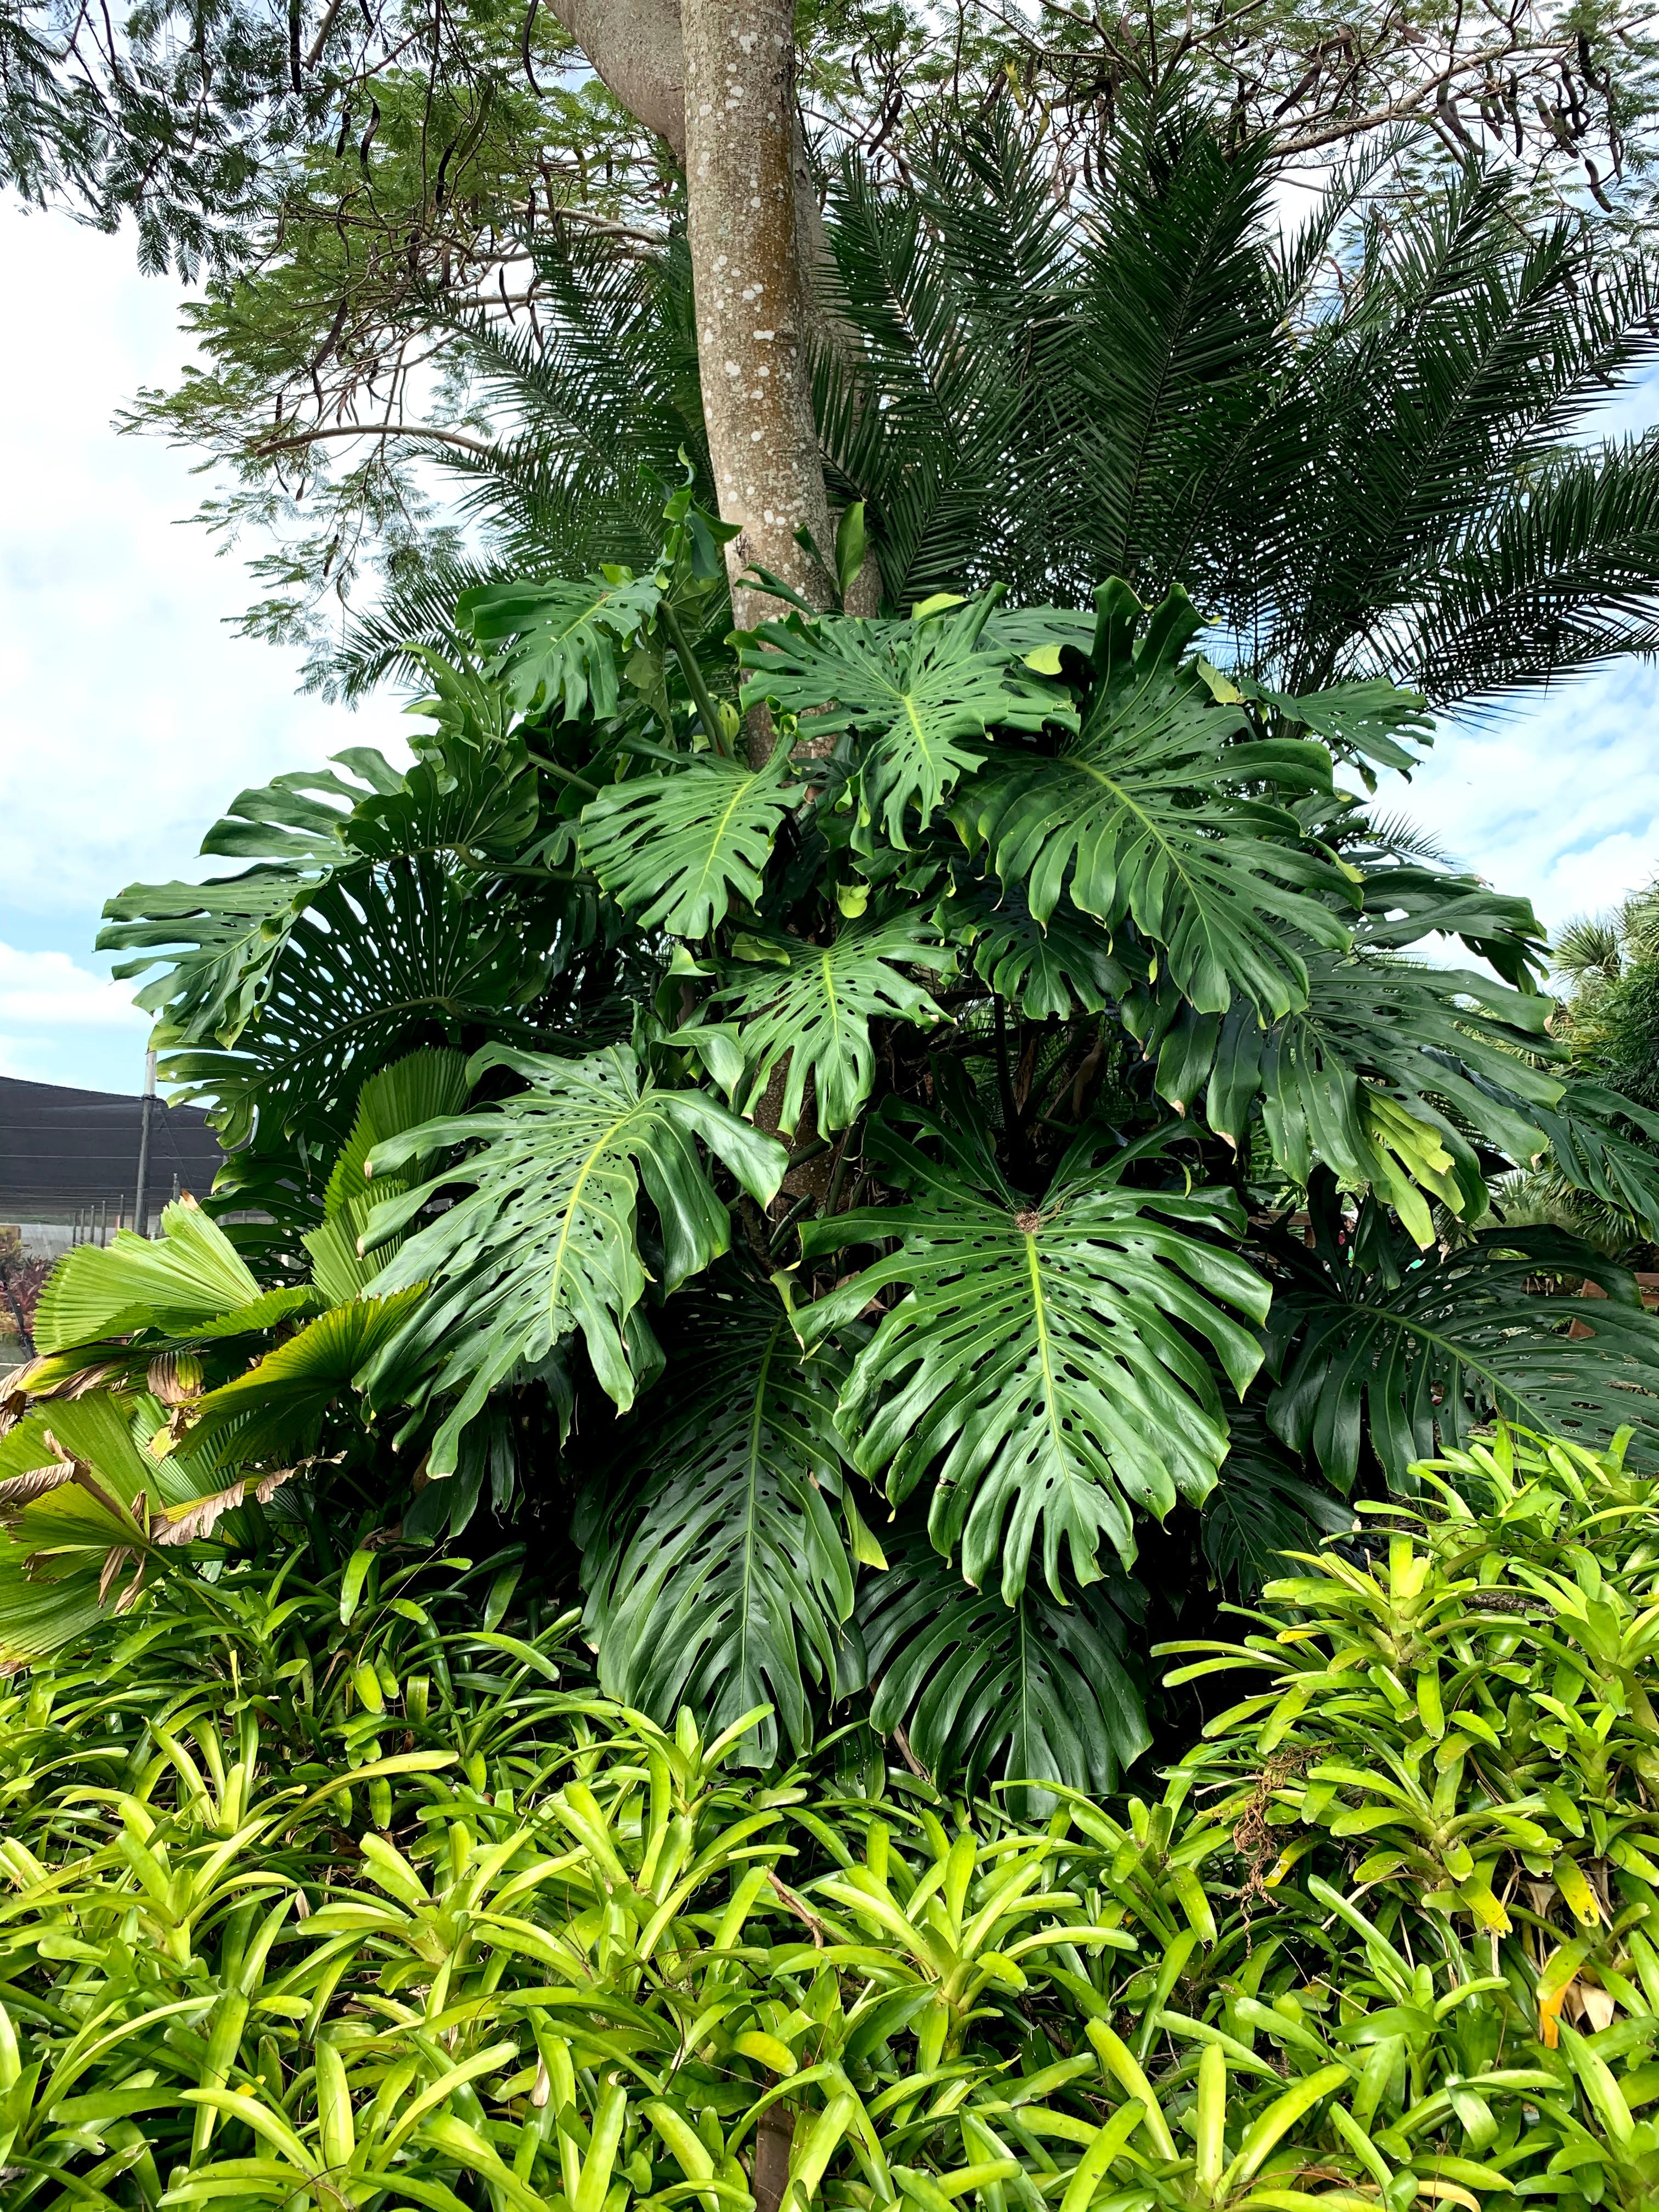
x: 130, y: 715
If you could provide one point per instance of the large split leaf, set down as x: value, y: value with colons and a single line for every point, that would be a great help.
x: 545, y: 1243
x: 1382, y: 1077
x: 813, y: 1005
x: 1262, y: 1507
x: 561, y: 640
x: 674, y: 849
x: 1046, y: 1359
x: 716, y: 1559
x: 1154, y: 813
x: 1406, y: 1353
x: 919, y: 694
x: 1050, y: 971
x: 1372, y: 721
x: 362, y: 922
x: 1038, y: 1689
x: 1606, y: 1146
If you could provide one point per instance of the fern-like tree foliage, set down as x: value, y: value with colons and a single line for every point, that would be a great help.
x: 1364, y: 447
x: 865, y: 1137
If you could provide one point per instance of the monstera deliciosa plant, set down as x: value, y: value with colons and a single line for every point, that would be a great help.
x: 838, y: 1129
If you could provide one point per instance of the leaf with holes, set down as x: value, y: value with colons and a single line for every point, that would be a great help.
x: 546, y: 1243
x: 1046, y: 1359
x: 1050, y: 971
x: 673, y: 849
x: 715, y: 1559
x: 1154, y: 813
x: 1408, y: 1353
x: 559, y: 641
x: 1038, y: 1689
x: 919, y: 696
x: 1385, y: 1048
x: 813, y: 1005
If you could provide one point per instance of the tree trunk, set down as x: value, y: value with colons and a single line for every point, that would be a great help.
x: 750, y: 292
x: 759, y: 259
x: 773, y: 2140
x: 636, y: 49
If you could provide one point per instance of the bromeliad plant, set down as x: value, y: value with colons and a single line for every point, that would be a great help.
x: 490, y: 1940
x: 882, y: 1059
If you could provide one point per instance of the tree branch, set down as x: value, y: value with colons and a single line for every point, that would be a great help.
x: 374, y: 430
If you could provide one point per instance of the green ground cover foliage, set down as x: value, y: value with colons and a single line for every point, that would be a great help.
x: 336, y: 1885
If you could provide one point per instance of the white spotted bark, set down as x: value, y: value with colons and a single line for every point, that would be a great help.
x: 750, y: 293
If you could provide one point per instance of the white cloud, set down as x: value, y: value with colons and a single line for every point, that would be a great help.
x: 1557, y: 798
x: 61, y: 1023
x: 48, y: 990
x: 130, y: 714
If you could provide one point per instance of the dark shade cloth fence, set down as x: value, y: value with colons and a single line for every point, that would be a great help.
x: 63, y: 1151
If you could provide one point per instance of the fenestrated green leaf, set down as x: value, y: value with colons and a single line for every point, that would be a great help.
x: 363, y: 921
x: 1373, y: 720
x: 561, y: 640
x: 1044, y: 1360
x: 1410, y: 1353
x: 919, y: 694
x: 1262, y: 1506
x: 546, y: 1240
x: 715, y: 1562
x: 190, y: 1275
x: 1590, y: 1149
x: 813, y: 1004
x: 1381, y: 1037
x: 1153, y: 814
x: 674, y: 849
x: 1037, y: 1689
x: 1050, y: 971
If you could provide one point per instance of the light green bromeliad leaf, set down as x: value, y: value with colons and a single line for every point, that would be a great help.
x: 562, y: 639
x: 813, y: 1005
x: 1044, y: 1357
x: 715, y: 1559
x: 1038, y: 1689
x: 673, y: 849
x: 545, y: 1243
x: 919, y: 694
x: 1151, y: 814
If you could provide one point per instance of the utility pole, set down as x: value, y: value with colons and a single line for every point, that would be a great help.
x: 146, y: 1112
